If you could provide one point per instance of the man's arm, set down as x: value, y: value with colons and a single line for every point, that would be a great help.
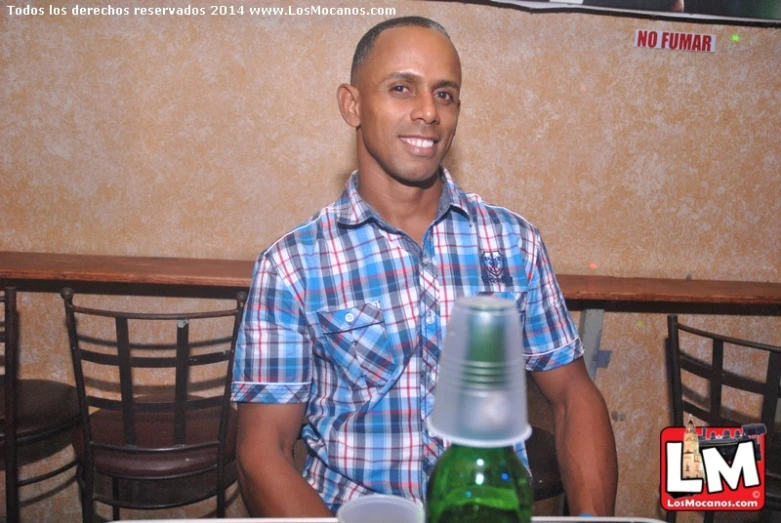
x: 585, y: 445
x: 270, y: 484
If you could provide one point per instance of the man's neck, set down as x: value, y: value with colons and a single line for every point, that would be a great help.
x: 409, y: 208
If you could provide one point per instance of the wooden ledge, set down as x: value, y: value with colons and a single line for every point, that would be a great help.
x: 609, y: 288
x: 62, y: 269
x: 81, y: 268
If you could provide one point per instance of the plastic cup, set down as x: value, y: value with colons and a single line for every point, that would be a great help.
x: 380, y: 508
x: 480, y: 397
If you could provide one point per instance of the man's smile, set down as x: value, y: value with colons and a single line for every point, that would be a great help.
x: 421, y: 146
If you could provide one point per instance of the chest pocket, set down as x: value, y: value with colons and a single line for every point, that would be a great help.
x: 356, y: 341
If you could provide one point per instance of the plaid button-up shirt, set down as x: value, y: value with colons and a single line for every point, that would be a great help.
x: 348, y: 314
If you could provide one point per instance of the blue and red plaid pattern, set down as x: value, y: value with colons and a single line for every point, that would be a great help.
x: 348, y: 314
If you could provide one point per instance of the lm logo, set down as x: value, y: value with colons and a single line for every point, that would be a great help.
x: 713, y: 468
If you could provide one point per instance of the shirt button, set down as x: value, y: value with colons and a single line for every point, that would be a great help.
x: 430, y: 318
x: 349, y: 317
x: 426, y: 260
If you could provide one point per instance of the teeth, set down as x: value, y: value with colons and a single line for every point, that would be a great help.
x: 419, y: 142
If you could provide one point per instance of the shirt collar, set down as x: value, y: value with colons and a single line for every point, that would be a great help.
x: 352, y: 210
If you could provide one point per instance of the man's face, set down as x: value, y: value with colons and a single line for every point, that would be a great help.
x: 408, y: 104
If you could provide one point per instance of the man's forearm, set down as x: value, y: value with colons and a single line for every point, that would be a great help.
x: 272, y: 487
x: 587, y: 455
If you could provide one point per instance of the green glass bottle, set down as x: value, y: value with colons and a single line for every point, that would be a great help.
x: 479, y: 485
x: 480, y: 407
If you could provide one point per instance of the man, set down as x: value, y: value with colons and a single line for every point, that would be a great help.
x: 346, y: 315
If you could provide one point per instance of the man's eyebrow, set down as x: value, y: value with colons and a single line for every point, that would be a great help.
x: 409, y: 77
x: 449, y: 83
x: 412, y: 77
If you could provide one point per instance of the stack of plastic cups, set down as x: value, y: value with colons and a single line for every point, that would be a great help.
x: 480, y: 398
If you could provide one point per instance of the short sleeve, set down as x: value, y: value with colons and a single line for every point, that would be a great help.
x: 550, y: 336
x: 274, y: 346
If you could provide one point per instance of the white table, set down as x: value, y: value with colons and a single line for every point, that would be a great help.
x: 536, y: 519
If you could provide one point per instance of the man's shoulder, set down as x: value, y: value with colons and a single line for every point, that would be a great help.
x: 306, y: 236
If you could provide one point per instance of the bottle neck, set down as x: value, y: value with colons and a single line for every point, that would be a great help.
x: 458, y: 447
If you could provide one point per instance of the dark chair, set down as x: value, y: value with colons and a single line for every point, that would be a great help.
x: 541, y: 451
x: 34, y: 411
x: 158, y: 427
x: 711, y: 411
x: 546, y: 479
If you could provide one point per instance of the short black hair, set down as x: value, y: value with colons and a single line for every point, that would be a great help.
x: 366, y: 43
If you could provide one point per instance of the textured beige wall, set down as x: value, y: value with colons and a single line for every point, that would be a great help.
x: 211, y: 136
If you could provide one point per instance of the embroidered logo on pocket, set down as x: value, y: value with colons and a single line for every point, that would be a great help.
x: 493, y: 268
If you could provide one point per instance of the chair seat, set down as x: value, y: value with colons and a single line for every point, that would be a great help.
x: 153, y: 431
x: 546, y: 479
x: 44, y: 407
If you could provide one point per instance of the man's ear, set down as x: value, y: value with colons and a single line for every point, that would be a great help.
x: 348, y: 96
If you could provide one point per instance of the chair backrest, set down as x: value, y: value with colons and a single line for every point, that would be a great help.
x: 125, y: 366
x: 10, y: 340
x: 713, y: 412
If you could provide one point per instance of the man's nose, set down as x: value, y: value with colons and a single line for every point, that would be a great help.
x: 426, y: 110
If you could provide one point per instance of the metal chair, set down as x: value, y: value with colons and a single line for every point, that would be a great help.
x: 712, y: 412
x: 167, y: 436
x: 34, y: 411
x: 546, y: 479
x: 541, y: 450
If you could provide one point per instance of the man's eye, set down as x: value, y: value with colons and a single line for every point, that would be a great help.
x: 444, y: 95
x: 399, y: 89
